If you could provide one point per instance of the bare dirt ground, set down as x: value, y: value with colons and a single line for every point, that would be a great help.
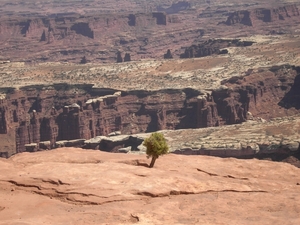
x: 74, y: 186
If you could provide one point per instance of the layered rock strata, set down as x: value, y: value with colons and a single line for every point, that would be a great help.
x: 262, y: 15
x: 64, y: 112
x: 70, y: 37
x: 276, y: 139
x: 258, y: 138
x: 99, y: 35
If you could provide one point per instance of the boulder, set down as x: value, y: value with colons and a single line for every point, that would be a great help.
x: 44, y: 145
x: 115, y: 143
x: 125, y: 149
x: 290, y: 146
x: 70, y: 143
x: 32, y: 147
x: 93, y: 143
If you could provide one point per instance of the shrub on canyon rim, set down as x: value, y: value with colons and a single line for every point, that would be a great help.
x: 156, y: 145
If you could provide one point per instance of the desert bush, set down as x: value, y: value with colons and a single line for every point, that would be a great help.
x: 156, y: 145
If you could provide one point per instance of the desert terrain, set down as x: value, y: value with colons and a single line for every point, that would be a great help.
x: 83, y: 83
x: 73, y: 186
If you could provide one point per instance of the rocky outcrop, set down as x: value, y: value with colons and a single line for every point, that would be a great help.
x: 3, y: 123
x: 43, y: 36
x: 127, y: 57
x: 83, y: 29
x: 83, y: 60
x: 242, y: 17
x: 275, y: 14
x: 32, y: 147
x: 115, y: 143
x: 213, y: 46
x: 161, y: 18
x: 32, y: 27
x: 278, y: 137
x: 291, y: 99
x: 70, y: 143
x: 131, y: 20
x: 175, y: 7
x: 119, y: 57
x: 256, y: 16
x: 207, y: 111
x: 266, y: 97
x: 168, y: 55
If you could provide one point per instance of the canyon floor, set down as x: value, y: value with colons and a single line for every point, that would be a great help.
x: 75, y: 186
x: 199, y: 73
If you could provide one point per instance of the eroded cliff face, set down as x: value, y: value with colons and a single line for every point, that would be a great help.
x: 63, y: 112
x: 68, y: 36
x: 62, y: 36
x: 266, y: 93
x: 256, y: 16
x: 213, y: 46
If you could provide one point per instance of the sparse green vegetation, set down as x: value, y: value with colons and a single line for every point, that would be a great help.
x: 156, y: 145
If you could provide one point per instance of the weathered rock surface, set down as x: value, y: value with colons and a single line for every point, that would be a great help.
x: 74, y: 186
x: 258, y: 138
x: 277, y: 139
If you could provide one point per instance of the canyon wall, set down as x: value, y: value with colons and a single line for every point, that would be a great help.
x: 72, y: 36
x: 267, y: 93
x: 63, y: 112
x: 257, y: 16
x: 39, y: 114
x: 67, y: 37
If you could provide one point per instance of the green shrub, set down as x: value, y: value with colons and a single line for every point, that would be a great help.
x: 156, y: 145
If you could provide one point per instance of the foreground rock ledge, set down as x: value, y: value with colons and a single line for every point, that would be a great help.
x: 75, y: 186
